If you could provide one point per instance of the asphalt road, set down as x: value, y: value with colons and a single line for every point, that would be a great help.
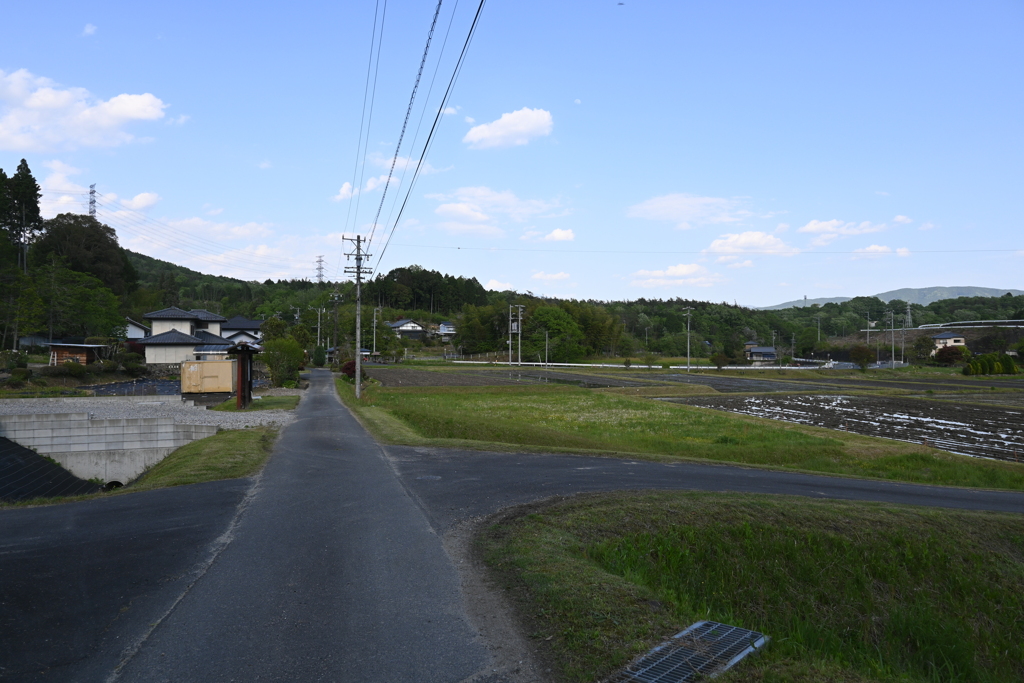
x: 328, y: 567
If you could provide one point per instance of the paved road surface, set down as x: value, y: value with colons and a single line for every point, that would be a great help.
x: 328, y: 567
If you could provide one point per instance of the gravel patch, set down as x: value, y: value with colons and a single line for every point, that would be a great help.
x: 115, y: 408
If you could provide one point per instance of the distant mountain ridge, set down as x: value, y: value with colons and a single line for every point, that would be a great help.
x: 922, y: 296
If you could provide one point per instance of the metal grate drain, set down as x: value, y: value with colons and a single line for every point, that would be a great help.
x: 704, y: 650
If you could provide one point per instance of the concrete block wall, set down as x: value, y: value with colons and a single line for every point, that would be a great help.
x: 110, y: 450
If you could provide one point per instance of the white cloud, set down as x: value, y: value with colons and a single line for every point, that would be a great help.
x: 451, y: 110
x: 782, y: 227
x: 828, y: 231
x: 731, y: 245
x: 550, y: 277
x: 903, y: 251
x: 686, y: 210
x: 178, y: 120
x: 692, y: 274
x: 461, y: 211
x: 882, y: 193
x: 345, y: 192
x: 874, y: 251
x: 559, y: 235
x: 486, y: 200
x: 143, y: 200
x: 902, y: 220
x: 742, y: 264
x: 496, y: 286
x: 514, y: 128
x: 927, y: 226
x: 264, y: 165
x: 470, y: 120
x: 89, y: 30
x: 36, y: 114
x: 576, y: 101
x: 214, y: 212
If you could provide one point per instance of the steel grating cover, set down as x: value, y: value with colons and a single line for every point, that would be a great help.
x: 704, y: 650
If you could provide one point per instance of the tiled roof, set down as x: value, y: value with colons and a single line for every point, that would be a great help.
x: 206, y: 316
x: 208, y: 337
x: 946, y: 335
x: 212, y: 348
x: 241, y: 323
x: 172, y: 337
x: 172, y: 313
x: 762, y: 349
x: 137, y: 324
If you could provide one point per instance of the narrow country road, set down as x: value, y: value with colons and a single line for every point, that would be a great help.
x: 328, y: 567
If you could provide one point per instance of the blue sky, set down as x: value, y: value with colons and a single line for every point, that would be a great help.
x: 749, y: 151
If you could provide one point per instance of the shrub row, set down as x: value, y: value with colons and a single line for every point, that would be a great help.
x: 991, y: 364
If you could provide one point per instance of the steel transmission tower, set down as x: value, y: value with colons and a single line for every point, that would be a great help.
x: 320, y: 269
x: 359, y: 271
x: 92, y: 200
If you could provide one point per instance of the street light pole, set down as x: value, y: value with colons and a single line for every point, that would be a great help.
x: 688, y: 309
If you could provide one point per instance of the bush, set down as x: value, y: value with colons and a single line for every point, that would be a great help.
x: 289, y: 384
x: 75, y: 369
x: 720, y: 360
x: 104, y: 366
x: 319, y: 357
x: 949, y: 355
x: 282, y: 358
x: 862, y: 356
x: 14, y: 383
x: 20, y: 374
x: 349, y: 370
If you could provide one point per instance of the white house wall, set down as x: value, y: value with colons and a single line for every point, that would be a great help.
x: 184, y: 326
x: 169, y: 353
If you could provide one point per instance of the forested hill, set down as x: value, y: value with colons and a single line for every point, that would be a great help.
x: 412, y: 288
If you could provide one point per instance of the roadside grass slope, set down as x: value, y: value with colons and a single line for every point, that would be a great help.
x: 847, y: 591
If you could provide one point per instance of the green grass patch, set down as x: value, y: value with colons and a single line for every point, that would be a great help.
x: 847, y: 591
x: 41, y: 392
x: 265, y: 403
x: 225, y: 455
x: 569, y: 419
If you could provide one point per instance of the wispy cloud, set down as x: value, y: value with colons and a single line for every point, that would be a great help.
x: 550, y: 277
x: 512, y: 129
x: 829, y: 231
x: 902, y: 220
x: 730, y: 247
x: 687, y: 210
x: 873, y: 251
x: 692, y: 274
x: 89, y: 30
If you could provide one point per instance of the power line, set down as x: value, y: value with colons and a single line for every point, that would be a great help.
x: 433, y: 127
x: 405, y: 123
x: 362, y: 143
x: 704, y: 251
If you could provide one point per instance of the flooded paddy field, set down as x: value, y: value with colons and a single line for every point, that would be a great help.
x: 978, y: 430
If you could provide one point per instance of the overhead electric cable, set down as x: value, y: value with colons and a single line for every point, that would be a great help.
x: 433, y: 127
x: 362, y: 143
x: 405, y: 123
x: 423, y: 112
x: 763, y: 252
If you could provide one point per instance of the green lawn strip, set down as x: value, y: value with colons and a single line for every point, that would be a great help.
x: 42, y: 392
x: 847, y: 591
x: 227, y: 454
x: 568, y: 419
x: 265, y: 403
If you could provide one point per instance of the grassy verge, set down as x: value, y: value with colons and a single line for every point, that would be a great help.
x: 265, y: 403
x: 847, y: 591
x: 41, y: 392
x: 569, y: 419
x: 226, y: 455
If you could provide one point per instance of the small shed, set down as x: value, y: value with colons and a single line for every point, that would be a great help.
x: 80, y: 353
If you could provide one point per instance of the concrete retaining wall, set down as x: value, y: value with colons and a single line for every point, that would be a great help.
x: 108, y: 450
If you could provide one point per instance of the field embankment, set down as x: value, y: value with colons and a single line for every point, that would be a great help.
x: 848, y: 592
